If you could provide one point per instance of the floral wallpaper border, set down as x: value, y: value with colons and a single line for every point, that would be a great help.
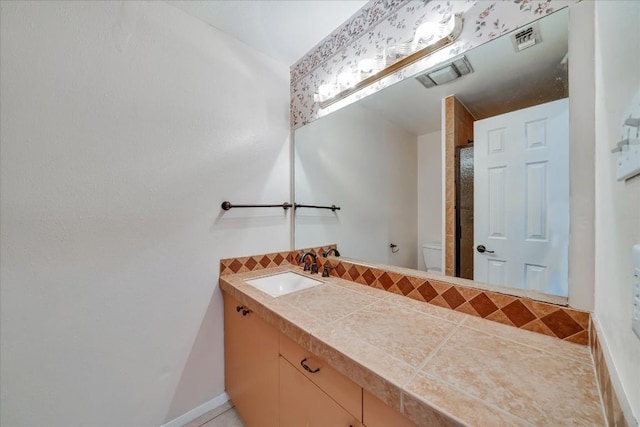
x: 383, y: 22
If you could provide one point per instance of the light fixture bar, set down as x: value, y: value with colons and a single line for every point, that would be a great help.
x: 414, y: 57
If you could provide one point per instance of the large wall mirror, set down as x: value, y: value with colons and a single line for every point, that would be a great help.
x: 426, y: 174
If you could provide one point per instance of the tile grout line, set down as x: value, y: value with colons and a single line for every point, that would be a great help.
x: 399, y: 385
x: 453, y: 284
x: 392, y: 298
x: 389, y: 298
x: 333, y: 322
x: 286, y: 263
x: 489, y: 404
x: 430, y: 357
x: 595, y: 370
x: 232, y: 406
x: 531, y: 346
x: 218, y: 416
x: 429, y: 314
x: 357, y: 291
x: 426, y: 360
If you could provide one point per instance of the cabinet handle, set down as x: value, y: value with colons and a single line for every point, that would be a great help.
x: 307, y: 368
x: 245, y: 312
x: 238, y: 308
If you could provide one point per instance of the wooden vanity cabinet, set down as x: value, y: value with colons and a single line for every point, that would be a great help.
x: 302, y: 403
x: 341, y: 389
x: 375, y: 413
x: 251, y: 353
x: 266, y: 380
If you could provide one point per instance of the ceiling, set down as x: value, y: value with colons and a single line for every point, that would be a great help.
x: 502, y: 80
x: 282, y: 29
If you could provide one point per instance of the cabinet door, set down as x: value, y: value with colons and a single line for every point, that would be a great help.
x: 303, y: 404
x: 375, y: 413
x: 251, y: 365
x: 344, y: 391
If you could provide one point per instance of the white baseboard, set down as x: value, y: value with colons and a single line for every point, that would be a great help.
x: 199, y: 411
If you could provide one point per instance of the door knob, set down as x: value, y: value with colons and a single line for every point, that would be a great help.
x: 482, y: 249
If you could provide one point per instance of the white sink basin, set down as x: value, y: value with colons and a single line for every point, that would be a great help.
x: 283, y: 283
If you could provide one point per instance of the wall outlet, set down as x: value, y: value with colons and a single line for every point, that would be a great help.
x: 635, y: 314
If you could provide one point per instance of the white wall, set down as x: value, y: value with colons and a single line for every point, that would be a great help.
x: 367, y: 166
x: 123, y: 127
x: 581, y: 130
x: 429, y: 191
x: 617, y: 224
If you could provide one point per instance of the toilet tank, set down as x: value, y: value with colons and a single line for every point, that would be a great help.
x: 432, y: 254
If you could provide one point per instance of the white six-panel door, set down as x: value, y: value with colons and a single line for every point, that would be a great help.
x: 521, y: 198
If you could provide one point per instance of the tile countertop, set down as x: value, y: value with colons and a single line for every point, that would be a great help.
x: 437, y: 366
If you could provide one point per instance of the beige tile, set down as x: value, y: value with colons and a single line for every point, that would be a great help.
x: 538, y: 326
x: 405, y: 303
x: 440, y: 302
x: 362, y: 288
x: 408, y: 336
x: 285, y: 317
x: 450, y: 189
x: 230, y: 418
x: 502, y: 300
x: 365, y: 364
x: 499, y: 316
x: 429, y: 401
x: 327, y: 302
x: 582, y: 317
x: 532, y: 339
x: 378, y: 340
x: 538, y: 308
x: 297, y: 334
x: 581, y: 338
x: 467, y: 308
x: 294, y: 322
x: 415, y: 295
x: 611, y: 404
x: 468, y: 293
x: 531, y: 384
x: 210, y: 415
x: 450, y: 257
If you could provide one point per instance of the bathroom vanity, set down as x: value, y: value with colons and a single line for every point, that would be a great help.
x: 275, y: 382
x: 345, y: 354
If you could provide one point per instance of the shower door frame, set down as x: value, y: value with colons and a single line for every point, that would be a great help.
x: 458, y: 227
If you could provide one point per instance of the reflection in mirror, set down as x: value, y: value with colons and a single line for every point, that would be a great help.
x: 391, y: 159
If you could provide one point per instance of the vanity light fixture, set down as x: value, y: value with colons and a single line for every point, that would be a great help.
x: 429, y: 37
x: 442, y: 74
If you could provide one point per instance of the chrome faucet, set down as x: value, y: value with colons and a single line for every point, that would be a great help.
x: 314, y: 265
x: 328, y: 252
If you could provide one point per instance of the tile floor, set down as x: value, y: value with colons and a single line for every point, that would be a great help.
x: 223, y: 416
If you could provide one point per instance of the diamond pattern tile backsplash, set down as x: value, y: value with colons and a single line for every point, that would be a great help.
x: 260, y: 262
x: 548, y: 319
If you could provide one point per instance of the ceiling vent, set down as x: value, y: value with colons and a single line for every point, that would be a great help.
x: 527, y: 37
x: 442, y: 74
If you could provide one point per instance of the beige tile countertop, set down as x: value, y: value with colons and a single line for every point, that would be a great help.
x: 436, y: 366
